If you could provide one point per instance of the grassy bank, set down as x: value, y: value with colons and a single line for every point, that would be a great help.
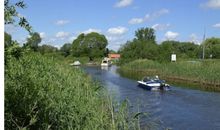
x: 202, y: 74
x: 43, y: 93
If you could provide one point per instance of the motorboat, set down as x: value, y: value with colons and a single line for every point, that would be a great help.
x: 106, y: 62
x: 153, y: 84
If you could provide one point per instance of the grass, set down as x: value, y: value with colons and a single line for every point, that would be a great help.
x: 203, y: 74
x: 43, y: 93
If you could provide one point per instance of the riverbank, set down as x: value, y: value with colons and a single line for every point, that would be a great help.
x: 198, y: 74
x: 42, y: 92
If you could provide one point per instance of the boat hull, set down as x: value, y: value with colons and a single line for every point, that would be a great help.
x: 152, y: 86
x: 105, y: 64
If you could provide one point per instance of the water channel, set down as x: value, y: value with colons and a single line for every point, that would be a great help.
x: 178, y: 109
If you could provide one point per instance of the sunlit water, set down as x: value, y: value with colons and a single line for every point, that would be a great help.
x: 178, y: 109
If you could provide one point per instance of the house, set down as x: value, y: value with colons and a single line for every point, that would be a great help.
x: 114, y: 56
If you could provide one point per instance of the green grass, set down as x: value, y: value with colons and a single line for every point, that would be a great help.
x: 43, y: 93
x: 206, y: 74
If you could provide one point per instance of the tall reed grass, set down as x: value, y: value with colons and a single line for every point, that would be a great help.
x: 42, y: 93
x: 205, y: 74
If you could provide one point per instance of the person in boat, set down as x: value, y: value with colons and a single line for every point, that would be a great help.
x: 145, y: 79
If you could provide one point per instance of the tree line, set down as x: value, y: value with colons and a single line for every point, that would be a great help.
x: 144, y: 46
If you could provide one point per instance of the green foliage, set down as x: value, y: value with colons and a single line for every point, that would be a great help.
x: 183, y: 50
x: 91, y: 45
x: 145, y: 34
x: 66, y: 49
x: 43, y: 93
x: 7, y: 40
x: 11, y: 14
x: 47, y: 49
x: 13, y: 51
x: 144, y: 46
x: 212, y: 47
x: 33, y: 41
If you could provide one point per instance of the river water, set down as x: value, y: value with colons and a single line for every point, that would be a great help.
x: 178, y: 109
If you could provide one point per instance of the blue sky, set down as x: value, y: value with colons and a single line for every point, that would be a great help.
x: 61, y: 21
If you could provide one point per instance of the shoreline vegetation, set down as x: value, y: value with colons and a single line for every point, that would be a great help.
x: 43, y: 93
x: 196, y: 74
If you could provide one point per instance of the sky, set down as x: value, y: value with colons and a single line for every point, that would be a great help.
x: 61, y: 21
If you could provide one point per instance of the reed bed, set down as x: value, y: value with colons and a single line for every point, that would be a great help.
x: 42, y: 93
x: 203, y: 74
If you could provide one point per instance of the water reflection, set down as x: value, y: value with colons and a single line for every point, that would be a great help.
x: 105, y: 68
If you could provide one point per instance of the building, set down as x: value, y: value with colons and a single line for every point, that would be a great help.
x: 114, y: 56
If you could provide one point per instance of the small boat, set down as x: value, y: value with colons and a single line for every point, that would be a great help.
x: 153, y: 84
x: 76, y: 63
x: 106, y: 62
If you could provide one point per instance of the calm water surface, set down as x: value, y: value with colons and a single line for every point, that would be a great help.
x: 178, y: 109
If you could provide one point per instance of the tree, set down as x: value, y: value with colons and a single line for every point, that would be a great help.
x: 33, y: 41
x: 65, y: 49
x: 212, y: 46
x: 143, y: 46
x: 181, y: 49
x: 11, y: 14
x: 145, y: 34
x: 8, y: 40
x: 46, y: 49
x: 91, y: 45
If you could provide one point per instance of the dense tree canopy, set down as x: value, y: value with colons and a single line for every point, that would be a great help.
x: 181, y: 49
x: 91, y: 45
x: 143, y: 46
x: 145, y: 34
x: 65, y: 49
x: 8, y: 39
x: 33, y: 41
x: 212, y: 47
x: 47, y: 49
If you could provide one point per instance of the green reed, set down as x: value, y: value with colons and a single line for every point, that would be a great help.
x: 43, y: 93
x: 203, y: 73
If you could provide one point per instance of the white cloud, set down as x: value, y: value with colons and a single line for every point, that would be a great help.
x: 194, y: 38
x: 62, y: 35
x: 160, y: 26
x: 72, y: 38
x: 149, y: 17
x: 42, y: 35
x: 217, y: 25
x: 213, y: 4
x: 62, y: 22
x: 115, y: 45
x: 156, y: 14
x: 117, y: 30
x: 114, y: 38
x: 169, y: 35
x: 58, y: 46
x: 123, y: 3
x: 91, y: 30
x: 136, y: 21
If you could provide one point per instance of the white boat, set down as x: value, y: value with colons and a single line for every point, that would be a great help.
x: 106, y: 62
x: 153, y: 84
x: 76, y: 63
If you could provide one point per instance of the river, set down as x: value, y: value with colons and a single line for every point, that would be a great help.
x: 178, y: 109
